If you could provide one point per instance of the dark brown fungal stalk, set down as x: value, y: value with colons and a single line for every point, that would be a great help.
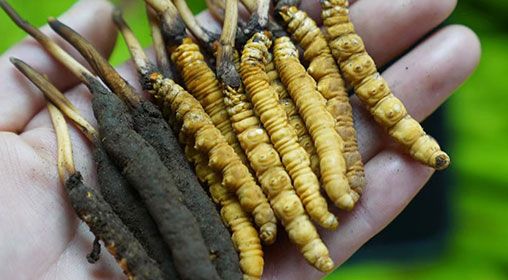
x: 91, y: 207
x: 173, y: 28
x: 226, y: 68
x: 188, y: 263
x: 124, y: 200
x: 206, y: 38
x: 195, y: 123
x: 162, y: 59
x: 217, y: 9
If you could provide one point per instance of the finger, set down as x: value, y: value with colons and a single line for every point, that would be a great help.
x: 422, y: 79
x: 89, y: 17
x: 72, y: 265
x: 36, y: 201
x: 393, y: 180
x: 390, y: 27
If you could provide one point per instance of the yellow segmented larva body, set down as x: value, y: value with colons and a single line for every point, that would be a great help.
x: 244, y: 235
x: 282, y: 135
x: 371, y: 88
x: 319, y: 122
x: 324, y: 70
x: 202, y: 83
x: 222, y: 158
x: 304, y: 138
x: 273, y: 78
x: 274, y: 179
x: 292, y: 114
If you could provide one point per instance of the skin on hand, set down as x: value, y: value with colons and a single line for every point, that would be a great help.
x: 45, y: 238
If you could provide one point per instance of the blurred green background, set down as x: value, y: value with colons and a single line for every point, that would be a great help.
x: 477, y: 116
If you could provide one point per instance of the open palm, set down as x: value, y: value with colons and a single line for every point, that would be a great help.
x: 41, y: 238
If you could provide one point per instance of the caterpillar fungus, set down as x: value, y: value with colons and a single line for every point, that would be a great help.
x: 294, y: 118
x: 283, y: 137
x: 91, y: 208
x: 209, y: 140
x: 123, y: 199
x: 372, y: 89
x: 275, y: 181
x: 263, y: 157
x: 201, y: 81
x: 244, y: 235
x: 320, y: 123
x: 323, y: 68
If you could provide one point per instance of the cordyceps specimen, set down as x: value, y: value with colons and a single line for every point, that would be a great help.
x: 222, y: 157
x: 244, y: 235
x: 197, y: 125
x: 262, y: 155
x: 122, y: 198
x: 295, y: 120
x: 227, y: 265
x: 319, y: 122
x: 282, y: 135
x: 157, y: 131
x: 323, y: 68
x: 371, y: 88
x: 114, y: 188
x: 199, y: 79
x: 91, y: 207
x: 145, y: 171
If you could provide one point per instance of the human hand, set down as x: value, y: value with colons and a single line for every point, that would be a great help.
x: 40, y: 235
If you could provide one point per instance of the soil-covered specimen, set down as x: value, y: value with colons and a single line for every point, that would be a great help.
x: 145, y: 171
x: 148, y: 121
x: 123, y: 199
x: 91, y: 207
x: 372, y: 89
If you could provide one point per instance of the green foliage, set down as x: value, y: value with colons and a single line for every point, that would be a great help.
x: 36, y: 11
